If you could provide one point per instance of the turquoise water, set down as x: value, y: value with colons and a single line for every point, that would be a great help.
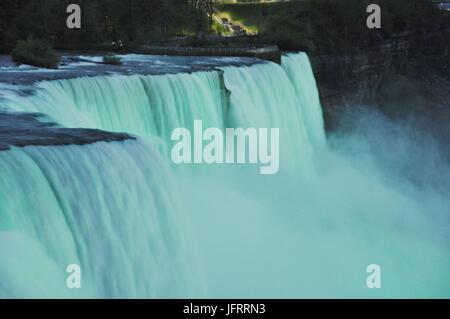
x: 141, y: 227
x: 107, y: 207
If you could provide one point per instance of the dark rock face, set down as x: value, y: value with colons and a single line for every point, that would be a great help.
x: 406, y: 80
x: 24, y: 129
x: 409, y: 73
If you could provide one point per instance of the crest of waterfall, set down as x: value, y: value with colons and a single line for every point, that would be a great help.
x: 107, y: 207
x: 148, y: 106
x: 264, y: 95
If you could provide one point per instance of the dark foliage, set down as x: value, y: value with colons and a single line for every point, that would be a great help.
x: 332, y: 26
x: 104, y: 22
x: 35, y: 52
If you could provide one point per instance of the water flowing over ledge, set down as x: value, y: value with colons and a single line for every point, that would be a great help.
x: 262, y: 95
x: 116, y: 215
x: 139, y: 228
x: 107, y: 207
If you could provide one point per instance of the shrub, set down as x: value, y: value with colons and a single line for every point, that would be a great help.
x: 220, y: 29
x: 35, y: 52
x: 112, y: 59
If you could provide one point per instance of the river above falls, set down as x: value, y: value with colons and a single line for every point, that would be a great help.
x: 75, y: 65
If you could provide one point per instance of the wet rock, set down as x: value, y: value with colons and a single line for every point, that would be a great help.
x: 25, y: 129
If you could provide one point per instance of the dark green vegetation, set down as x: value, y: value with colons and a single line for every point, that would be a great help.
x: 35, y: 52
x: 104, y: 22
x: 331, y: 26
x: 255, y: 16
x: 315, y: 26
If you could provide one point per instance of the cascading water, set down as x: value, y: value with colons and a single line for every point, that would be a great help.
x: 289, y: 235
x: 148, y: 106
x: 107, y: 207
x: 261, y: 96
x: 299, y: 70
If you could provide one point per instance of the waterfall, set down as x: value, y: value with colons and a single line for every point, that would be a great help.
x: 148, y: 106
x: 140, y: 228
x: 108, y: 207
x: 298, y: 68
x: 265, y: 95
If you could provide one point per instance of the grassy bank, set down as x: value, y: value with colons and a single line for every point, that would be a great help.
x: 254, y: 16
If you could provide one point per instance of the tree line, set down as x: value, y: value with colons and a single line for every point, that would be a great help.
x: 322, y: 26
x: 105, y: 23
x: 330, y: 26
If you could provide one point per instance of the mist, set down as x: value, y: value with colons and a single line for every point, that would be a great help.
x: 378, y: 195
